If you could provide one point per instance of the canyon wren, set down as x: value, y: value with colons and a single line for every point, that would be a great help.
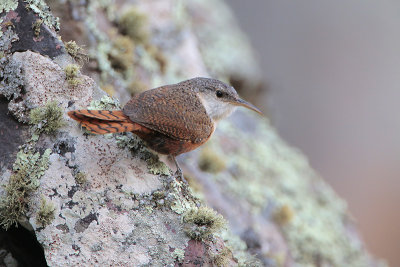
x: 171, y: 119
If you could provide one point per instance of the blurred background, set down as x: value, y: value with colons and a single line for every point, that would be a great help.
x: 332, y: 69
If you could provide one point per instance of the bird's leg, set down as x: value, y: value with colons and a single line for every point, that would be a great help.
x: 178, y: 172
x: 178, y: 168
x: 179, y: 176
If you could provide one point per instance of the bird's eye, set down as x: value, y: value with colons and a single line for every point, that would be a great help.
x: 219, y: 93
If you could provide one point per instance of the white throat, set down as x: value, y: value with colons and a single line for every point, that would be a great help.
x: 215, y: 108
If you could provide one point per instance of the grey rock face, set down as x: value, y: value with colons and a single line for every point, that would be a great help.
x: 108, y: 200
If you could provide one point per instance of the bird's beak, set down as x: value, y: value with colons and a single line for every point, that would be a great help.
x: 243, y: 103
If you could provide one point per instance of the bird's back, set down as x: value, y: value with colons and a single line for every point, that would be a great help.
x: 172, y: 110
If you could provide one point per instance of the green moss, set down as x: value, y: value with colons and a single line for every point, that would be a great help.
x: 81, y: 178
x: 27, y: 170
x: 121, y: 54
x: 76, y: 52
x: 209, y: 161
x: 71, y: 74
x: 36, y: 27
x: 133, y: 23
x: 72, y: 48
x: 71, y: 71
x: 47, y: 119
x: 223, y: 258
x: 45, y: 214
x: 202, y: 222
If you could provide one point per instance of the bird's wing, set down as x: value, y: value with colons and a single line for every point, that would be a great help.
x: 173, y: 111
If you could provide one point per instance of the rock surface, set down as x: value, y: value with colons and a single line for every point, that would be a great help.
x: 107, y: 200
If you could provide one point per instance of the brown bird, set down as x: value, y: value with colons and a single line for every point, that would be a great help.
x: 171, y: 119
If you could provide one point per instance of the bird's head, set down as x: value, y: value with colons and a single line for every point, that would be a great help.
x: 218, y: 98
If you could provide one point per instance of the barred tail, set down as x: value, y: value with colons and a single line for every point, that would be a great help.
x: 103, y: 121
x: 108, y: 115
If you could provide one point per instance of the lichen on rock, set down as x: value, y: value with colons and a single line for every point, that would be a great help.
x: 12, y: 81
x: 27, y: 170
x: 179, y: 255
x: 106, y: 102
x: 6, y: 38
x: 7, y: 5
x: 278, y: 185
x: 131, y: 210
x: 138, y: 148
x: 40, y: 7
